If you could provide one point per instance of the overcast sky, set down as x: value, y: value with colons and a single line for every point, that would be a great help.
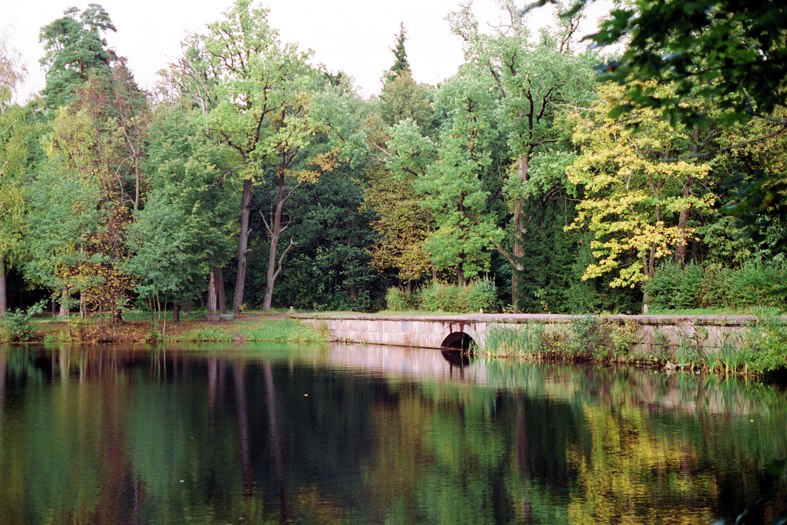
x: 354, y: 36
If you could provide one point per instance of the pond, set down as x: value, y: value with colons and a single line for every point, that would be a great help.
x: 364, y: 434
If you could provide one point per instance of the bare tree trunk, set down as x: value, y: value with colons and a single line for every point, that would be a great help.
x: 680, y: 252
x: 212, y: 297
x: 243, y: 247
x: 273, y: 271
x: 3, y: 288
x: 519, y: 231
x: 64, y: 300
x: 218, y: 276
x: 683, y: 224
x: 175, y: 312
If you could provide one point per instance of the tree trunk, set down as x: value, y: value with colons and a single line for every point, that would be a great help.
x: 212, y: 297
x: 275, y: 233
x: 218, y: 276
x: 243, y: 247
x: 519, y: 231
x: 175, y: 312
x: 680, y: 252
x: 683, y: 223
x: 64, y: 300
x: 3, y: 289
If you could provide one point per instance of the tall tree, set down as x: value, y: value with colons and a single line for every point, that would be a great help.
x: 454, y: 186
x: 534, y: 81
x: 402, y: 224
x: 401, y: 65
x: 263, y: 90
x: 638, y: 190
x: 185, y: 229
x: 75, y: 49
x: 13, y: 163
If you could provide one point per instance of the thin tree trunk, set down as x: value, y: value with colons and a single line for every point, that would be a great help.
x: 519, y: 230
x: 64, y: 300
x: 218, y: 276
x: 212, y: 297
x: 243, y: 247
x: 3, y: 288
x: 683, y: 223
x: 275, y: 234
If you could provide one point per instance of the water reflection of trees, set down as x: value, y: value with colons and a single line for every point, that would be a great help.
x: 90, y: 435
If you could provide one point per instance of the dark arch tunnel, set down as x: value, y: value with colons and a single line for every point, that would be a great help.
x: 457, y: 348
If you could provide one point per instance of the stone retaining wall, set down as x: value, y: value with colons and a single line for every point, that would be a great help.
x: 429, y: 331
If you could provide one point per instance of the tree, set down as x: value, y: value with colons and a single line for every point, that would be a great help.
x: 75, y: 49
x: 402, y: 223
x: 401, y: 65
x: 185, y: 229
x: 13, y: 165
x: 263, y: 91
x: 637, y: 190
x: 454, y: 186
x: 534, y: 82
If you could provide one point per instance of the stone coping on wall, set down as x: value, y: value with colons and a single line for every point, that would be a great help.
x: 646, y: 319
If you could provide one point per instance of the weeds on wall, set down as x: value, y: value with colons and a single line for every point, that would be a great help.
x: 758, y: 350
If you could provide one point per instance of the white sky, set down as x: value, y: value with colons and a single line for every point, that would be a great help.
x: 354, y: 36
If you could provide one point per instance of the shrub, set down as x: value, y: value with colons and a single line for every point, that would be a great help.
x: 19, y: 322
x: 440, y: 297
x: 756, y: 283
x: 482, y: 295
x: 398, y: 300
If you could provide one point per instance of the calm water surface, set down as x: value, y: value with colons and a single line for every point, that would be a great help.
x: 362, y: 434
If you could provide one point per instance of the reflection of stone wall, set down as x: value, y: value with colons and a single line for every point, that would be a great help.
x: 654, y: 331
x: 405, y: 362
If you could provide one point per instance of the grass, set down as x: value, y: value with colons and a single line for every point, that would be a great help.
x: 137, y: 328
x: 265, y: 330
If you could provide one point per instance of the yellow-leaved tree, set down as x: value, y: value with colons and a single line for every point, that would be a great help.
x: 641, y: 179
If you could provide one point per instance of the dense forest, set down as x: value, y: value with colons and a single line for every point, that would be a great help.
x: 541, y: 177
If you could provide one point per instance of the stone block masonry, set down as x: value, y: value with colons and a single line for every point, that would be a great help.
x: 708, y: 332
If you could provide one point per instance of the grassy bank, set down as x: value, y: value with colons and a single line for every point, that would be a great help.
x: 252, y: 327
x: 757, y: 350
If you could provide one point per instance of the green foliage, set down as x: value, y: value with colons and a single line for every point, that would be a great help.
x: 729, y: 52
x: 399, y: 300
x: 401, y: 65
x: 765, y: 345
x: 75, y: 50
x: 755, y: 283
x: 441, y: 297
x: 19, y: 323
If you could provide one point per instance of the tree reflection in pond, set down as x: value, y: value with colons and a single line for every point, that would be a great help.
x: 340, y: 435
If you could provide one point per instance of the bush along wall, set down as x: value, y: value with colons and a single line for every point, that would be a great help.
x: 757, y: 350
x: 757, y: 283
x: 479, y: 296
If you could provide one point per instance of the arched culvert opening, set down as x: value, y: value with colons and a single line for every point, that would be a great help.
x: 457, y: 349
x: 458, y: 341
